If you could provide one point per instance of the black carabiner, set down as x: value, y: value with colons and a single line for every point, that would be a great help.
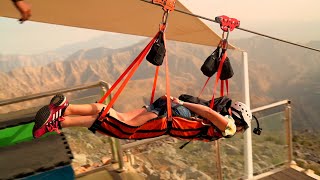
x: 224, y: 44
x: 165, y: 17
x: 163, y: 24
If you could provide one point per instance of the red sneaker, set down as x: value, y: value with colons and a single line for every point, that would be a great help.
x: 48, y: 118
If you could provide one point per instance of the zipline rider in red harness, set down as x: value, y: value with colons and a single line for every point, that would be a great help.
x: 147, y: 122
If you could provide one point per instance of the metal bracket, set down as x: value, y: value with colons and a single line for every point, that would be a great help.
x: 168, y: 5
x: 226, y: 23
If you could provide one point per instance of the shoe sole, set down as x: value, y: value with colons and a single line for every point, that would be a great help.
x: 42, y: 117
x: 58, y: 100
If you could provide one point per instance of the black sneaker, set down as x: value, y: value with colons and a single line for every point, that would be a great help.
x: 48, y: 118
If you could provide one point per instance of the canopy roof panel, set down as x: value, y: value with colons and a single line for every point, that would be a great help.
x: 134, y: 17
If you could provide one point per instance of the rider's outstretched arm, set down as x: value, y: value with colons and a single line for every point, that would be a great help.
x: 217, y: 119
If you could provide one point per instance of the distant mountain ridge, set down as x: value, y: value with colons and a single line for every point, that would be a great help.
x: 108, y: 41
x: 10, y: 62
x: 277, y: 71
x: 112, y: 42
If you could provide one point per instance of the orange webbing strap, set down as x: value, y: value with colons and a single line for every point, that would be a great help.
x: 169, y: 111
x: 162, y: 29
x: 205, y: 84
x: 138, y: 60
x: 117, y: 82
x: 227, y: 86
x: 125, y: 72
x: 223, y: 58
x: 154, y: 84
x: 221, y: 87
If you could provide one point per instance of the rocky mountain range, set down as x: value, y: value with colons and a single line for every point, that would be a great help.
x: 10, y: 62
x: 277, y: 71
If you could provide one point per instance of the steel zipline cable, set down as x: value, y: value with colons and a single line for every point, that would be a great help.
x: 242, y: 29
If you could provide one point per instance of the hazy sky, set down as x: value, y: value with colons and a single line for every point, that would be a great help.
x: 32, y: 37
x: 294, y: 20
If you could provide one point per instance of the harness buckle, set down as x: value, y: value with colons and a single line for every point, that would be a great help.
x: 168, y: 5
x: 227, y: 24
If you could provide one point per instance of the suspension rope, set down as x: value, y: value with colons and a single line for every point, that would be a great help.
x: 243, y: 29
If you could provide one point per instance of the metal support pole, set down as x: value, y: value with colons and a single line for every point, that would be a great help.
x: 247, y: 135
x: 112, y: 143
x: 130, y: 157
x: 117, y: 155
x: 289, y: 133
x: 114, y: 157
x: 218, y: 159
x: 120, y: 155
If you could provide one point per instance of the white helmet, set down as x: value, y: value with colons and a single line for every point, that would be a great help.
x: 241, y: 112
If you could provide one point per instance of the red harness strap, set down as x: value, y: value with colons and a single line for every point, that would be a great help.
x: 221, y: 87
x: 179, y: 128
x: 205, y: 84
x: 132, y: 68
x: 191, y: 129
x: 154, y: 84
x: 115, y: 128
x: 139, y: 57
x: 162, y: 29
x: 223, y: 58
x: 169, y: 111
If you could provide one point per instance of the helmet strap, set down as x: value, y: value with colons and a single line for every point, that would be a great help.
x: 257, y: 130
x: 246, y: 126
